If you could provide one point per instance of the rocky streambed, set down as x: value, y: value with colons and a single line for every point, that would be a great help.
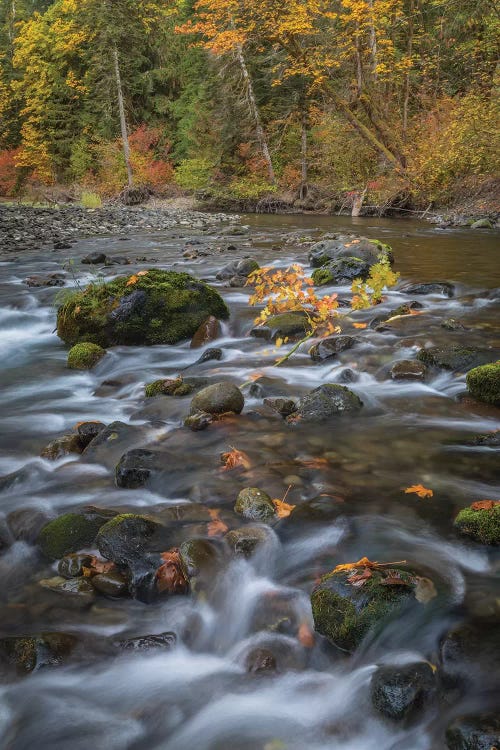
x: 201, y: 549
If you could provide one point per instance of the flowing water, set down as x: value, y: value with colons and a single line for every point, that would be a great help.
x: 200, y: 695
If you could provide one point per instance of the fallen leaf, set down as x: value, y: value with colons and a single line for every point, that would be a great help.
x: 283, y: 509
x: 132, y: 280
x: 394, y: 581
x: 365, y: 563
x: 235, y: 458
x: 97, y: 566
x: 142, y: 273
x: 359, y: 579
x: 313, y: 463
x: 420, y: 490
x: 424, y: 590
x: 216, y: 527
x: 360, y: 325
x: 485, y: 504
x: 169, y: 576
x: 305, y: 635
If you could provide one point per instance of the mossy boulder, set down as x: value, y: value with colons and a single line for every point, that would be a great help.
x: 62, y: 446
x: 342, y: 271
x: 344, y: 613
x: 291, y: 325
x: 255, y: 505
x: 330, y: 347
x: 449, y: 357
x: 70, y: 532
x: 481, y: 522
x: 247, y: 540
x: 484, y: 383
x: 368, y: 251
x: 159, y: 307
x: 168, y: 387
x: 322, y: 276
x: 326, y: 401
x: 218, y: 398
x: 32, y: 652
x: 84, y: 356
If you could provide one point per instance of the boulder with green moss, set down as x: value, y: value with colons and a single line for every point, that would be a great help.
x: 342, y: 271
x: 158, y: 307
x: 368, y: 251
x: 255, y: 505
x: 70, y: 532
x: 218, y: 398
x: 84, y: 356
x: 292, y: 325
x: 481, y: 522
x: 344, y: 613
x: 449, y: 356
x: 28, y: 653
x: 168, y: 387
x: 484, y: 383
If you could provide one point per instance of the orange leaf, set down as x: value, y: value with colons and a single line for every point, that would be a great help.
x: 313, y: 463
x: 133, y: 280
x: 359, y: 579
x: 216, y: 527
x: 420, y: 490
x: 97, y: 566
x: 359, y: 325
x: 142, y: 273
x: 485, y: 504
x: 305, y: 635
x: 283, y: 509
x: 169, y: 576
x: 365, y: 563
x: 235, y: 458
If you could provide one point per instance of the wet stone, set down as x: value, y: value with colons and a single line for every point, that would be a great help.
x: 476, y: 732
x: 260, y: 661
x: 469, y: 654
x: 399, y: 692
x: 330, y: 347
x: 155, y: 642
x: 292, y: 325
x: 255, y: 505
x: 449, y: 357
x: 112, y: 584
x: 408, y: 369
x: 247, y: 540
x: 32, y: 652
x: 25, y: 524
x: 71, y: 566
x: 69, y: 533
x: 208, y: 331
x: 136, y: 466
x: 199, y: 421
x: 76, y: 587
x: 219, y: 398
x: 62, y: 446
x: 284, y: 406
x: 94, y: 259
x: 432, y: 287
x: 87, y: 431
x: 326, y: 401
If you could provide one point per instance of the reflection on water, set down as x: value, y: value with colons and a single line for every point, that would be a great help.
x: 200, y: 695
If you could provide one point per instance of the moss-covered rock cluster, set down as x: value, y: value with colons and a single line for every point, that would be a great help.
x: 157, y: 307
x: 84, y: 356
x: 481, y: 522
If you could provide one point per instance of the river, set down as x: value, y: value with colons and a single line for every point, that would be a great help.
x: 200, y: 695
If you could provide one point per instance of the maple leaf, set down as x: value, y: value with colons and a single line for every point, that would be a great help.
x: 359, y: 579
x: 420, y: 490
x: 234, y: 458
x: 169, y: 576
x: 484, y: 504
x: 365, y: 563
x: 216, y: 527
x: 283, y: 509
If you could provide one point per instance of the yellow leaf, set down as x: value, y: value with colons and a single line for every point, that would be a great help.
x: 142, y: 273
x: 133, y: 280
x: 420, y: 490
x: 359, y: 325
x: 283, y: 509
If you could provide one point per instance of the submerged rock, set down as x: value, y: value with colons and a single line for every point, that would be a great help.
x: 477, y: 732
x: 482, y: 224
x: 159, y: 307
x: 70, y: 532
x: 71, y: 566
x: 208, y: 331
x: 326, y: 401
x: 255, y: 505
x: 449, y: 356
x: 158, y: 641
x: 260, y: 660
x: 62, y: 446
x: 480, y: 521
x: 219, y: 398
x: 284, y: 406
x: 87, y: 431
x: 484, y: 383
x: 431, y: 287
x: 125, y: 538
x: 136, y: 466
x: 94, y: 259
x: 168, y: 387
x: 344, y: 613
x: 469, y: 654
x: 399, y: 691
x: 248, y: 539
x: 78, y: 588
x: 408, y: 369
x: 32, y: 652
x: 330, y: 347
x: 84, y: 356
x: 112, y: 583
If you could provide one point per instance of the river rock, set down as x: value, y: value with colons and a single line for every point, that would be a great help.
x: 449, y: 357
x: 128, y: 537
x: 451, y: 324
x: 247, y: 540
x: 482, y: 224
x: 109, y: 444
x: 330, y: 347
x: 25, y: 524
x: 94, y: 259
x: 62, y: 446
x: 488, y: 440
x: 168, y: 387
x: 209, y: 355
x: 480, y: 521
x: 344, y: 613
x: 368, y: 251
x: 291, y: 325
x: 484, y: 383
x: 112, y: 584
x: 408, y: 369
x: 284, y: 406
x: 469, y: 654
x: 78, y: 588
x: 218, y: 398
x: 242, y: 268
x: 255, y: 505
x: 159, y: 307
x: 477, y: 732
x: 341, y: 271
x: 431, y: 287
x: 71, y: 566
x: 326, y: 401
x: 208, y: 331
x: 136, y: 466
x: 199, y: 421
x: 158, y: 641
x: 201, y: 560
x: 32, y: 652
x: 51, y: 279
x: 260, y: 661
x: 87, y: 431
x: 399, y: 692
x: 70, y: 532
x: 84, y: 356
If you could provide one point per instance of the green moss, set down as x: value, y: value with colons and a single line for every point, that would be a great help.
x: 69, y: 533
x: 449, y: 357
x: 484, y: 383
x: 169, y: 387
x: 481, y: 525
x: 322, y: 276
x: 84, y: 356
x: 345, y: 614
x: 385, y: 250
x: 154, y: 389
x: 171, y: 307
x: 29, y: 653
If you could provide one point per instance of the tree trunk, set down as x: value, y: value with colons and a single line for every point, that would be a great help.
x: 123, y: 119
x: 254, y: 111
x: 303, y: 153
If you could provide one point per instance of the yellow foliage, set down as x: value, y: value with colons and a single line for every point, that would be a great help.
x: 369, y: 292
